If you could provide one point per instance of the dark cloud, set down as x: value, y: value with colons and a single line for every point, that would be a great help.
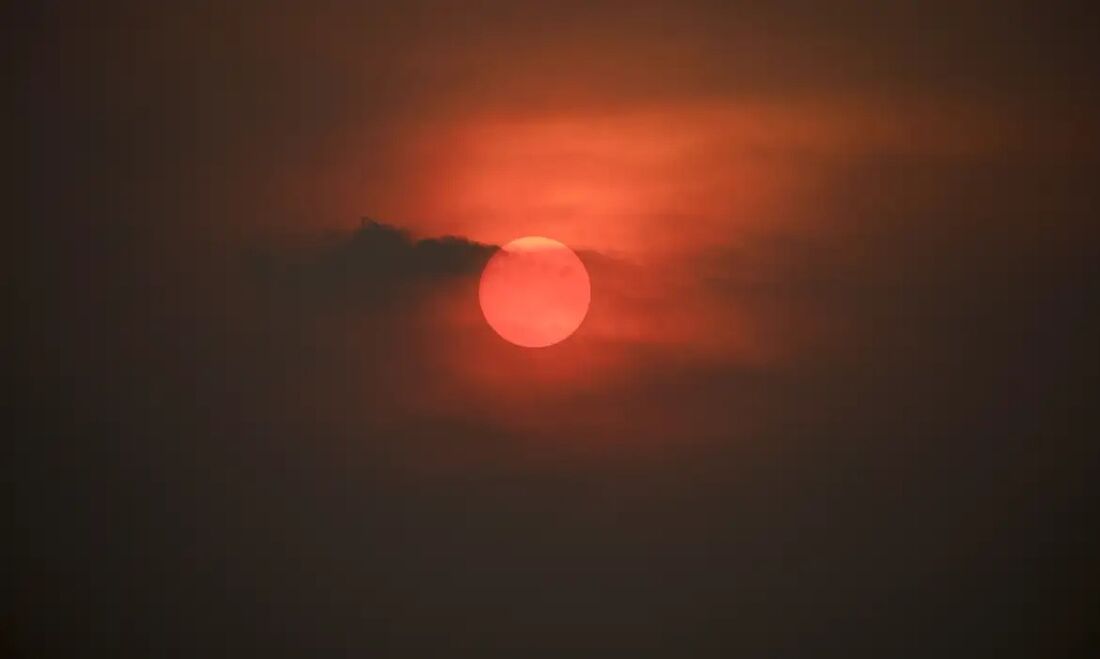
x: 370, y: 266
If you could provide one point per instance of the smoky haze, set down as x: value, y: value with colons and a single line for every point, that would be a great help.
x: 249, y: 422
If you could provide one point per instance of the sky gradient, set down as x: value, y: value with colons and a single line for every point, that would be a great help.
x: 833, y: 394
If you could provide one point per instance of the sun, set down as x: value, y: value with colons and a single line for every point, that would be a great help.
x: 534, y: 292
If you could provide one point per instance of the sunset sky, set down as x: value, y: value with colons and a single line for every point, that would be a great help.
x: 833, y: 393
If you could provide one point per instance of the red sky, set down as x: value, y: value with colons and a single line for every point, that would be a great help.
x: 834, y: 394
x: 731, y: 166
x: 629, y: 127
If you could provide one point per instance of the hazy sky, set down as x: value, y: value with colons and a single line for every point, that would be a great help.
x: 833, y: 394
